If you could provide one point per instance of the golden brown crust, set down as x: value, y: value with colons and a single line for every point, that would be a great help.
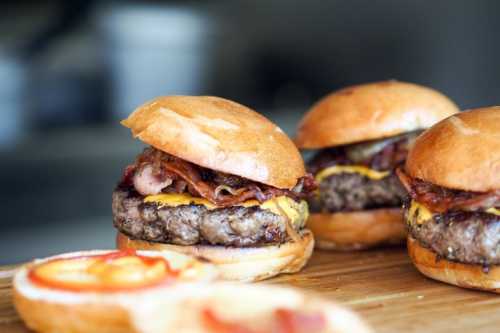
x: 371, y: 111
x: 460, y: 152
x: 221, y: 135
x: 45, y: 316
x: 357, y: 230
x: 239, y: 264
x: 462, y: 275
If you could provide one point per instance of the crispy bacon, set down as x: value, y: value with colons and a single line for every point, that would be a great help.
x: 189, y: 174
x: 388, y: 155
x: 128, y: 174
x: 441, y: 199
x: 217, y: 187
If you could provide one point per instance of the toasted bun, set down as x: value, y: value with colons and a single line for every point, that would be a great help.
x: 239, y: 264
x: 357, y: 230
x: 460, y: 152
x: 247, y: 305
x: 43, y: 316
x: 371, y: 111
x: 221, y: 135
x: 462, y: 275
x: 52, y: 310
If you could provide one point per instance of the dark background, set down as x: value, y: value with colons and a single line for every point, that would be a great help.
x: 69, y: 70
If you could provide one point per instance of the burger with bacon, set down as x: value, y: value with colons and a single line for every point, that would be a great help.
x: 219, y: 181
x: 359, y: 135
x: 453, y: 177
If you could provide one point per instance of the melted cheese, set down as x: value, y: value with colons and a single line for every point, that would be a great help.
x: 418, y: 213
x: 337, y: 169
x: 174, y: 200
x: 494, y: 211
x: 297, y: 212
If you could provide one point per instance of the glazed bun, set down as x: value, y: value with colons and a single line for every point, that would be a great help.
x: 357, y: 230
x: 77, y: 311
x: 460, y: 152
x: 371, y: 111
x: 462, y: 275
x: 245, y: 308
x: 246, y: 264
x: 221, y: 135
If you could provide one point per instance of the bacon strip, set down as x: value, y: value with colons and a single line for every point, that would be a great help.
x: 441, y: 199
x: 192, y: 177
x: 207, y: 183
x: 128, y: 174
x: 206, y: 190
x: 392, y: 154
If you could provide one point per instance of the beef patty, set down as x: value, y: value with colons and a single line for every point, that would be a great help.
x: 195, y: 224
x: 354, y: 192
x: 466, y: 237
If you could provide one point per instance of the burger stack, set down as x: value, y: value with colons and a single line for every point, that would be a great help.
x: 359, y: 136
x: 453, y: 178
x: 218, y: 180
x: 221, y: 193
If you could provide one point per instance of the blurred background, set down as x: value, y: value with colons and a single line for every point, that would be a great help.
x: 69, y: 70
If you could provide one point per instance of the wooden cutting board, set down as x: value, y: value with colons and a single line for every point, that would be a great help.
x: 381, y: 285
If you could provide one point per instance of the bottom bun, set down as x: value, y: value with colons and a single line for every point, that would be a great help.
x: 462, y: 275
x: 48, y: 316
x: 49, y: 309
x: 247, y: 264
x: 357, y: 230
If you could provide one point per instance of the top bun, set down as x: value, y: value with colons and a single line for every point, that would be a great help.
x: 371, y: 111
x: 221, y: 135
x: 461, y: 152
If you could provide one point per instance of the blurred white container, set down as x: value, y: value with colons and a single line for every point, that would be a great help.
x: 12, y: 83
x: 154, y: 50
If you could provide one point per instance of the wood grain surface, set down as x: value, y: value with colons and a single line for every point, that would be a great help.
x: 381, y: 285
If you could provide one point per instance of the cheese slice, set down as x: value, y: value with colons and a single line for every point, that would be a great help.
x: 297, y: 212
x: 418, y: 213
x: 494, y: 211
x: 174, y: 200
x: 362, y: 170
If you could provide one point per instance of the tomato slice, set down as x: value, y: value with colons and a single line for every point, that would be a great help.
x: 109, y: 272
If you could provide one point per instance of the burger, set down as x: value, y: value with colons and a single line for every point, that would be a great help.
x: 218, y: 181
x: 453, y: 177
x: 359, y: 135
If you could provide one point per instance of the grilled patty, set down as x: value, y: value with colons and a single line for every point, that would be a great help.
x: 466, y: 237
x: 195, y: 224
x: 354, y: 192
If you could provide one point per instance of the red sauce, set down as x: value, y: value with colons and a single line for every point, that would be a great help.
x: 36, y: 275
